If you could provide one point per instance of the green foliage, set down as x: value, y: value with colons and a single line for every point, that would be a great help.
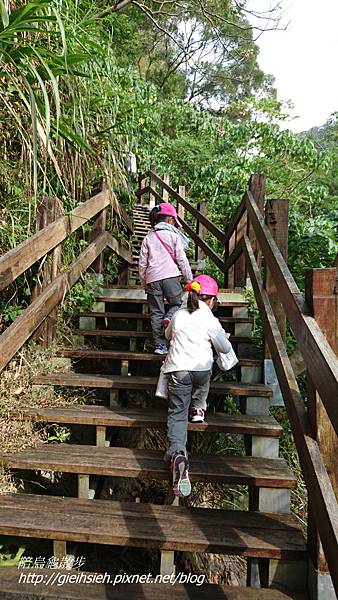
x: 81, y: 296
x: 59, y: 434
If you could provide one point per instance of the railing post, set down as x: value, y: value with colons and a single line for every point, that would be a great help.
x: 141, y: 186
x: 98, y: 227
x: 152, y: 199
x: 48, y: 210
x: 276, y: 218
x: 321, y: 297
x: 229, y: 277
x: 180, y: 208
x: 240, y: 270
x: 200, y: 230
x: 257, y: 184
x: 165, y: 193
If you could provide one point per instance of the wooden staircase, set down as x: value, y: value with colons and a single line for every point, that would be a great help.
x: 114, y: 334
x: 113, y: 359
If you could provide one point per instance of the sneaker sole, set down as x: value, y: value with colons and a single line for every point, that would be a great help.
x: 196, y: 419
x: 181, y: 482
x: 160, y: 352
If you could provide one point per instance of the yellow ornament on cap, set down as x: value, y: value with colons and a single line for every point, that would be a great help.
x: 196, y: 286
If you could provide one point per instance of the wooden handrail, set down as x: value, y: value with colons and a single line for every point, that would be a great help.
x: 318, y: 355
x: 19, y: 259
x: 313, y: 467
x: 24, y: 326
x: 193, y: 211
x: 202, y: 244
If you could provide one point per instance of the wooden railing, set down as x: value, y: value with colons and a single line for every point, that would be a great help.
x: 247, y: 239
x: 22, y: 257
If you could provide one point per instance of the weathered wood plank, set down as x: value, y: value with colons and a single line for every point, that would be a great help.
x: 313, y: 468
x: 235, y: 220
x: 240, y: 265
x: 99, y: 227
x: 146, y: 383
x: 129, y: 462
x: 320, y: 359
x: 200, y: 230
x: 17, y: 584
x: 16, y: 334
x: 321, y: 296
x: 152, y: 526
x: 276, y: 218
x: 134, y: 315
x: 103, y: 416
x: 128, y: 355
x: 202, y: 244
x: 23, y: 256
x: 193, y: 211
x: 48, y: 210
x: 235, y: 339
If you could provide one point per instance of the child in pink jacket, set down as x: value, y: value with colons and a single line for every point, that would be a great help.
x: 162, y: 261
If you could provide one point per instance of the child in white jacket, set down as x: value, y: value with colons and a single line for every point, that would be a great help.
x: 193, y: 333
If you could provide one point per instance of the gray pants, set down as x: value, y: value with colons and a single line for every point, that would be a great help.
x: 169, y: 289
x: 185, y: 388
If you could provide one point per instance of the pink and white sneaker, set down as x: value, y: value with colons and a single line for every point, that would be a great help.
x: 165, y: 323
x: 196, y: 415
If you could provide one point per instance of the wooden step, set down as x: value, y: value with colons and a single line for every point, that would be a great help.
x: 76, y: 585
x: 145, y: 383
x: 151, y: 418
x: 235, y: 339
x: 138, y: 315
x: 122, y: 300
x: 126, y: 462
x: 126, y: 355
x: 137, y: 295
x: 254, y: 534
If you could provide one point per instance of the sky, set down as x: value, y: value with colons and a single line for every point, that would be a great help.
x: 303, y: 58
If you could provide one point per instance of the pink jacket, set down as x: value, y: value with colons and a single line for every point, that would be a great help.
x: 155, y: 261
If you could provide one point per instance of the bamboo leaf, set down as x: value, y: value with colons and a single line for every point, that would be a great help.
x: 35, y: 137
x: 4, y: 14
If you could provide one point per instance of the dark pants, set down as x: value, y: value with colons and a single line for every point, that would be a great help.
x: 169, y: 289
x: 185, y: 388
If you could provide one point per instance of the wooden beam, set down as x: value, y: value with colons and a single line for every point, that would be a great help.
x: 195, y: 213
x: 240, y: 264
x: 165, y: 193
x: 257, y: 185
x: 180, y: 208
x: 142, y: 185
x: 320, y: 294
x: 117, y: 247
x: 156, y: 195
x: 209, y: 252
x: 142, y: 191
x: 200, y: 230
x: 48, y: 210
x: 17, y: 261
x: 99, y: 226
x: 18, y: 332
x: 313, y: 468
x: 234, y: 221
x: 318, y: 355
x: 276, y: 218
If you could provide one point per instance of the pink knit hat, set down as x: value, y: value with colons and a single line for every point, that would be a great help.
x: 168, y: 209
